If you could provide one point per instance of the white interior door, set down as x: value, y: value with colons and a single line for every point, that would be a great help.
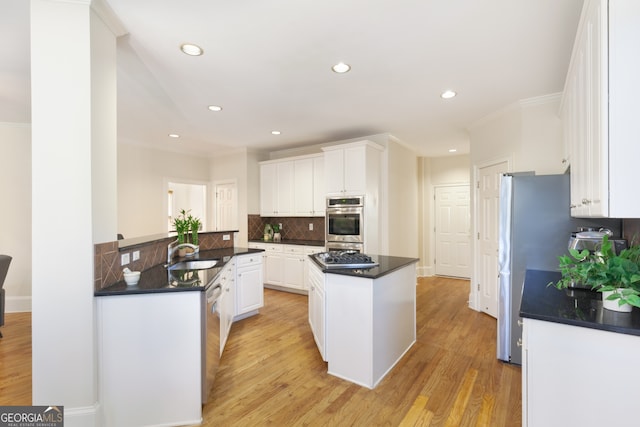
x: 226, y: 206
x: 487, y: 259
x: 452, y: 233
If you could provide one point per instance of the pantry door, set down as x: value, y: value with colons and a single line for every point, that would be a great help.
x: 453, y: 231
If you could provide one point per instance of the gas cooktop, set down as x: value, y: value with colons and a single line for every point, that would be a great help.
x: 345, y: 259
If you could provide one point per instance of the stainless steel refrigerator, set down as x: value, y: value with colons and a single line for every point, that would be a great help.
x: 534, y: 229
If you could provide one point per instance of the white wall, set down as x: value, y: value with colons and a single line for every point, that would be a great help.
x: 402, y: 201
x: 528, y: 132
x: 15, y: 188
x: 143, y: 177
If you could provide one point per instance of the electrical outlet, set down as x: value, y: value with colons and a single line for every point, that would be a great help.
x: 226, y: 237
x: 136, y: 255
x: 280, y: 225
x: 124, y: 259
x: 310, y: 226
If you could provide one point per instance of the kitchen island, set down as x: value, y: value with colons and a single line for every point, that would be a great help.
x: 363, y: 319
x: 578, y: 365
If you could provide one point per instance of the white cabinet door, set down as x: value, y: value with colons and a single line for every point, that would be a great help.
x: 600, y: 110
x: 355, y: 170
x: 293, y: 264
x: 285, y: 189
x: 334, y: 172
x: 227, y: 302
x: 273, y: 265
x: 317, y: 306
x: 319, y: 192
x: 268, y: 189
x: 303, y: 177
x: 249, y: 286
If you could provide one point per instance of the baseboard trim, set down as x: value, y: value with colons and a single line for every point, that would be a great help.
x: 17, y: 304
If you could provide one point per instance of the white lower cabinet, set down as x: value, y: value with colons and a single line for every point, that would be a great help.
x: 576, y: 376
x: 317, y: 306
x: 227, y: 302
x: 284, y: 265
x: 249, y: 285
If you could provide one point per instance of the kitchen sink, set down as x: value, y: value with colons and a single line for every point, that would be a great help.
x: 194, y: 265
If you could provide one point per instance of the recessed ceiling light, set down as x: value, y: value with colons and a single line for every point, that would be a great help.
x: 191, y: 49
x: 452, y: 150
x: 174, y: 135
x: 448, y: 94
x: 275, y: 132
x: 215, y: 108
x: 341, y: 67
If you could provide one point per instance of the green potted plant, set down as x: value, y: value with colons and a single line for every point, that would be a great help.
x: 617, y: 276
x: 187, y: 228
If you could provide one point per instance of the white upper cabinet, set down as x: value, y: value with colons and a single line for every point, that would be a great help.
x: 276, y: 189
x: 352, y: 169
x: 289, y: 187
x: 600, y: 110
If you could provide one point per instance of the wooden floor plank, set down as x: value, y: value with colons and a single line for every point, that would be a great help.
x: 272, y: 374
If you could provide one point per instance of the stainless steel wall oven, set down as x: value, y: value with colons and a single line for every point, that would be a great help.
x: 345, y: 223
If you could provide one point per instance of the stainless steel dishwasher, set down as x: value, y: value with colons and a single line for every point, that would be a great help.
x: 210, y: 336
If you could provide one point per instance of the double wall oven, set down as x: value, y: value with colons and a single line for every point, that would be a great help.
x: 345, y: 223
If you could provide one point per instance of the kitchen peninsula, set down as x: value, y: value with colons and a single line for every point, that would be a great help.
x: 363, y: 319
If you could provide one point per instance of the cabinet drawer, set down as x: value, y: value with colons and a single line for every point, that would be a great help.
x: 310, y: 250
x: 293, y: 249
x: 273, y: 247
x: 247, y: 260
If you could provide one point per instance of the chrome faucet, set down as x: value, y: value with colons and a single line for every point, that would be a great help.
x: 171, y: 249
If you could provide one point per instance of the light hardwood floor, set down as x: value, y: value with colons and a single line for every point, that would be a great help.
x: 271, y: 372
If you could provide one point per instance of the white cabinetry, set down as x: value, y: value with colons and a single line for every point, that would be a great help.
x: 284, y: 265
x: 352, y: 169
x: 317, y: 306
x: 292, y: 187
x: 566, y: 369
x: 227, y: 302
x: 600, y: 110
x: 276, y: 189
x: 249, y: 285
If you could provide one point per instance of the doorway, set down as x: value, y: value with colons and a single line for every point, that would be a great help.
x: 190, y: 197
x: 226, y: 205
x: 453, y: 231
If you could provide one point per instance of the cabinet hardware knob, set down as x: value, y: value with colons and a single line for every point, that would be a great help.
x: 520, y: 322
x: 519, y: 343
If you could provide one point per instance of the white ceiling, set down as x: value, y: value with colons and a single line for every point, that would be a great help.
x: 268, y: 64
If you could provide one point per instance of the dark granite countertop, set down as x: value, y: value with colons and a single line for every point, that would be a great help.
x: 158, y: 279
x: 292, y: 242
x: 387, y: 264
x: 578, y: 307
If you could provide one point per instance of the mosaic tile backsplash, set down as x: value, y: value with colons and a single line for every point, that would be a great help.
x: 293, y: 228
x: 107, y: 268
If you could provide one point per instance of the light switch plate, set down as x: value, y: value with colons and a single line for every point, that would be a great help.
x: 226, y: 237
x: 124, y: 259
x: 310, y: 226
x: 136, y: 255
